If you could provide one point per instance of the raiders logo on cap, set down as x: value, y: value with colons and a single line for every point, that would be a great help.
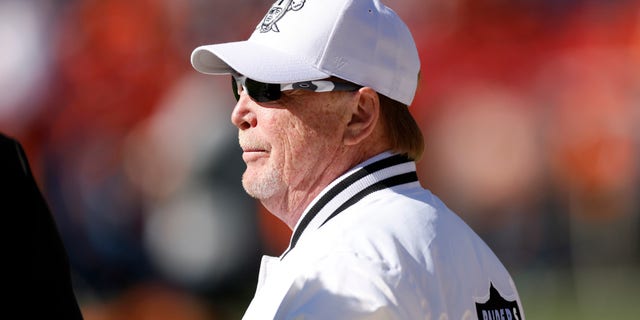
x: 277, y: 11
x: 497, y: 308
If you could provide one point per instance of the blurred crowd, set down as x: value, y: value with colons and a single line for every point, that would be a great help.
x: 530, y: 110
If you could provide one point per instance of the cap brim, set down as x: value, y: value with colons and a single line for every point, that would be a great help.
x: 255, y: 61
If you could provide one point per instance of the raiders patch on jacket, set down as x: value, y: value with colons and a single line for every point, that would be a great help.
x: 497, y: 307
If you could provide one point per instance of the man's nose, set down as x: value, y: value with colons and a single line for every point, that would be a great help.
x: 243, y: 116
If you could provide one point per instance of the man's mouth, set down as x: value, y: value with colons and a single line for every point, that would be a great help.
x: 252, y: 149
x: 253, y: 154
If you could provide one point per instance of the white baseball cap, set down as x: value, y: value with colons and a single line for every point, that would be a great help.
x: 361, y: 41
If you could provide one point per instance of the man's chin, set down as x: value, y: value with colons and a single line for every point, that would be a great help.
x: 261, y: 188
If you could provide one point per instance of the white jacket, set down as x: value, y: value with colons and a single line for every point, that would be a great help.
x: 376, y: 245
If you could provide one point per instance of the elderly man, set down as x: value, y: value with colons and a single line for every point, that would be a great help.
x: 323, y: 88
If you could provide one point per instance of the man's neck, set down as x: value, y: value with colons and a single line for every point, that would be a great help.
x: 290, y: 207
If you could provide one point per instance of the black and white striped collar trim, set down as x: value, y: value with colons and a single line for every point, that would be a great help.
x: 383, y: 171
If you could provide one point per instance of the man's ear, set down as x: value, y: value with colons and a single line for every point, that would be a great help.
x: 364, y: 117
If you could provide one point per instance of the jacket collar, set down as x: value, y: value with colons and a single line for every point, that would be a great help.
x: 380, y: 172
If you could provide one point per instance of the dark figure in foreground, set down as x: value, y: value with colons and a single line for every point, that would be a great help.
x: 39, y: 280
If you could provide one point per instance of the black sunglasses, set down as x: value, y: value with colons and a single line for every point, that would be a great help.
x: 265, y: 92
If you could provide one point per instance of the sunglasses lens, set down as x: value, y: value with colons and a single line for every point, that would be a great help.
x: 262, y: 92
x: 258, y: 91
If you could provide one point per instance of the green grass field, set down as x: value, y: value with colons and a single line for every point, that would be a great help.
x: 586, y: 294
